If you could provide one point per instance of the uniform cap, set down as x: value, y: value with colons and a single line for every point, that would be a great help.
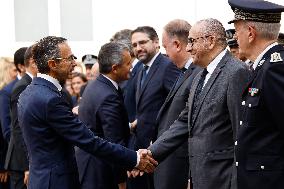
x: 256, y: 10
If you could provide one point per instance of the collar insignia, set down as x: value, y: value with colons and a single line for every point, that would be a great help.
x: 261, y: 62
x: 276, y: 57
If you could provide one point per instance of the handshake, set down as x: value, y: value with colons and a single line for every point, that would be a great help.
x: 146, y: 164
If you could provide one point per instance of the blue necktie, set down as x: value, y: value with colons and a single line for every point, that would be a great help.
x: 144, y: 75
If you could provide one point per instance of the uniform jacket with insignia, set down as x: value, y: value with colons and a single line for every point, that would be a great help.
x: 260, y: 140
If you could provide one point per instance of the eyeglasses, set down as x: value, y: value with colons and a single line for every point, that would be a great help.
x: 140, y: 43
x: 191, y: 40
x: 69, y: 59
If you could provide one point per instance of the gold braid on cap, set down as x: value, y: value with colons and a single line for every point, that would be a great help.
x: 257, y: 17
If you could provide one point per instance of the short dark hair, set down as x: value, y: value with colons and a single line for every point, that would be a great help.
x: 47, y: 48
x: 28, y: 55
x: 110, y: 54
x: 150, y: 31
x: 19, y: 57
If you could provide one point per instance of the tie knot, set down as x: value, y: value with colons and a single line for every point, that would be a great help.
x: 183, y: 69
x: 250, y: 64
x: 119, y: 91
x: 204, y: 73
x: 145, y: 67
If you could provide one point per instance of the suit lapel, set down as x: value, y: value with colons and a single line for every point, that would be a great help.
x: 175, y: 89
x: 150, y: 74
x: 251, y: 79
x: 103, y: 79
x: 135, y: 71
x: 137, y: 94
x: 186, y: 74
x: 209, y: 84
x: 191, y: 97
x: 27, y: 78
x: 152, y: 70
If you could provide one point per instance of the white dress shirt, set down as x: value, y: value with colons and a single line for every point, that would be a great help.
x: 149, y: 64
x: 212, y: 65
x: 112, y: 81
x: 50, y: 79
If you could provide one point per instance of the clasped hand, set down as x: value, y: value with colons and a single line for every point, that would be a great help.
x: 147, y: 164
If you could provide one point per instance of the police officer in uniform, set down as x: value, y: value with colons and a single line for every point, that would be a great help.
x: 232, y: 42
x: 281, y: 39
x: 260, y: 141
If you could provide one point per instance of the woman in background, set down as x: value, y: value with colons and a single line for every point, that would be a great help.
x: 78, y: 80
x: 8, y: 73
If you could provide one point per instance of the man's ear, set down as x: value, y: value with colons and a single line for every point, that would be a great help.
x: 178, y: 45
x: 212, y: 42
x: 114, y: 68
x: 252, y: 33
x: 51, y: 64
x: 22, y: 68
x: 33, y: 64
x: 157, y: 44
x: 34, y: 67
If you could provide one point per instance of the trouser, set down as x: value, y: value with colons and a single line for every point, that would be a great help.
x: 5, y: 185
x: 17, y: 180
x: 141, y: 182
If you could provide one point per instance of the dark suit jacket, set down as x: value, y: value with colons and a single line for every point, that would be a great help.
x: 150, y: 98
x: 16, y: 159
x: 211, y: 134
x: 50, y: 130
x: 165, y: 175
x: 129, y: 91
x: 5, y: 120
x: 102, y: 110
x: 260, y: 141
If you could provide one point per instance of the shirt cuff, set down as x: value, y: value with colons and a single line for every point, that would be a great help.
x: 138, y: 159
